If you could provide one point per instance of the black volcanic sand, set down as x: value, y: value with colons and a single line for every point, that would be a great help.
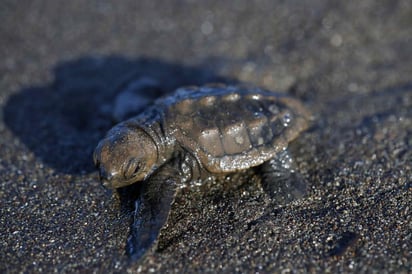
x: 350, y: 62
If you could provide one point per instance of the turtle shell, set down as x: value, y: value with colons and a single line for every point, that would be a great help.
x: 230, y: 128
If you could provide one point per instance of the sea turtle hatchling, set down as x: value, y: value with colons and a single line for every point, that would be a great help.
x: 192, y: 134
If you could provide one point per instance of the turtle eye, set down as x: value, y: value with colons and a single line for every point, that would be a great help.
x: 132, y: 168
x: 136, y: 169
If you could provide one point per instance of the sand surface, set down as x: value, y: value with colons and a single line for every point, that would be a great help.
x: 350, y: 62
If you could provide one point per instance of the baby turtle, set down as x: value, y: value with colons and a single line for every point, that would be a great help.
x: 193, y: 134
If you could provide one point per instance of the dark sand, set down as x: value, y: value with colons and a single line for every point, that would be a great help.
x: 349, y: 61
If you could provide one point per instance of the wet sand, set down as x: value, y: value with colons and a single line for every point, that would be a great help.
x: 350, y: 63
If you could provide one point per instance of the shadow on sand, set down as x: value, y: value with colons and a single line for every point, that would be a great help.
x: 62, y: 122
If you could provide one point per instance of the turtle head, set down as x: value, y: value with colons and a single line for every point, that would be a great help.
x: 126, y: 155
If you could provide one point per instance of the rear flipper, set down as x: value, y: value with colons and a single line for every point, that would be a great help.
x: 281, y: 181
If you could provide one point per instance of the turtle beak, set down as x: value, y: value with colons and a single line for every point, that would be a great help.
x: 105, y: 178
x: 106, y: 183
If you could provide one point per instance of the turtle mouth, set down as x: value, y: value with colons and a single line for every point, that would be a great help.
x: 119, y: 182
x: 130, y: 180
x: 107, y: 184
x: 113, y: 181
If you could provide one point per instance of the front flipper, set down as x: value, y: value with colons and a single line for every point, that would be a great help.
x: 153, y: 206
x: 134, y: 95
x: 281, y: 181
x: 152, y: 209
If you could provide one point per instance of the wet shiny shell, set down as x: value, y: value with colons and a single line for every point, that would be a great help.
x: 229, y: 128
